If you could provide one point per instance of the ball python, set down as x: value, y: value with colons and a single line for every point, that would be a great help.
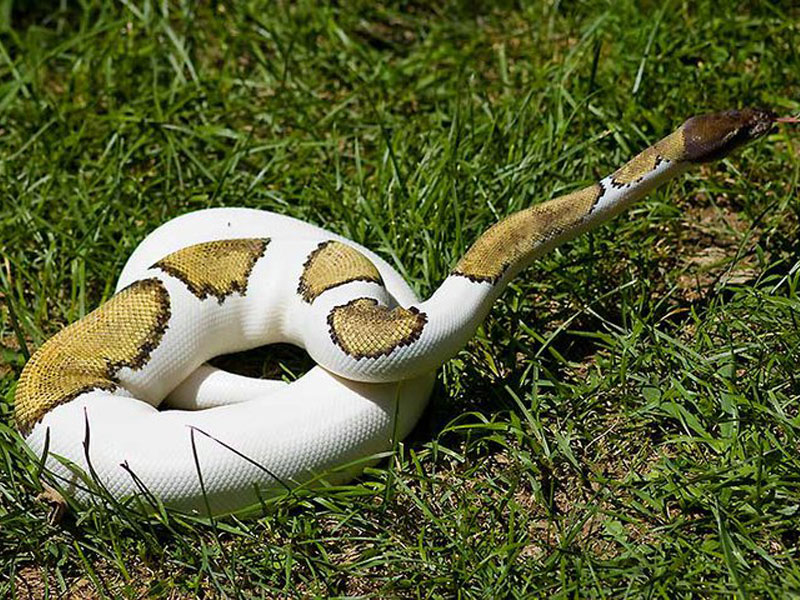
x: 223, y: 280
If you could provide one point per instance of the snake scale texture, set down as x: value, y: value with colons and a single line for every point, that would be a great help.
x: 123, y: 398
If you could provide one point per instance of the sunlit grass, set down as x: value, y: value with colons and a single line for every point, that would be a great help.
x: 624, y: 423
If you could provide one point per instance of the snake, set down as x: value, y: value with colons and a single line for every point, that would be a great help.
x: 123, y: 402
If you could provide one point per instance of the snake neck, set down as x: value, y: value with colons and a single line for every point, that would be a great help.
x: 512, y: 244
x: 463, y: 300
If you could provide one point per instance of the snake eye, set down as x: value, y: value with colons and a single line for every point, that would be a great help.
x: 713, y: 136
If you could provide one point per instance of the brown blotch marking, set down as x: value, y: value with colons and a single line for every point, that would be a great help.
x: 332, y: 264
x: 671, y: 148
x: 364, y: 329
x: 516, y: 236
x: 87, y: 355
x: 219, y: 268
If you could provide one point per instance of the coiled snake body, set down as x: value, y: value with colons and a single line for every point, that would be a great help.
x: 223, y: 280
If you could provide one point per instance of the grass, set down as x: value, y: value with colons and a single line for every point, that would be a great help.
x: 625, y: 423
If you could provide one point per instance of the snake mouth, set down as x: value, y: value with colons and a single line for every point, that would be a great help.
x: 714, y: 136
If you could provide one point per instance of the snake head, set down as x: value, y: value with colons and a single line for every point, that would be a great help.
x: 712, y: 136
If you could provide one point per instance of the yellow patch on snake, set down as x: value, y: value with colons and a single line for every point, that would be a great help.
x: 332, y: 264
x: 671, y: 148
x: 87, y: 355
x: 365, y: 329
x: 219, y: 268
x: 513, y: 238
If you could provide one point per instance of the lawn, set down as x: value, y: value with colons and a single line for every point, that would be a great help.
x: 626, y: 421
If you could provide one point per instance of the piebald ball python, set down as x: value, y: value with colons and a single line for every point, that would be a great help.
x: 224, y: 280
